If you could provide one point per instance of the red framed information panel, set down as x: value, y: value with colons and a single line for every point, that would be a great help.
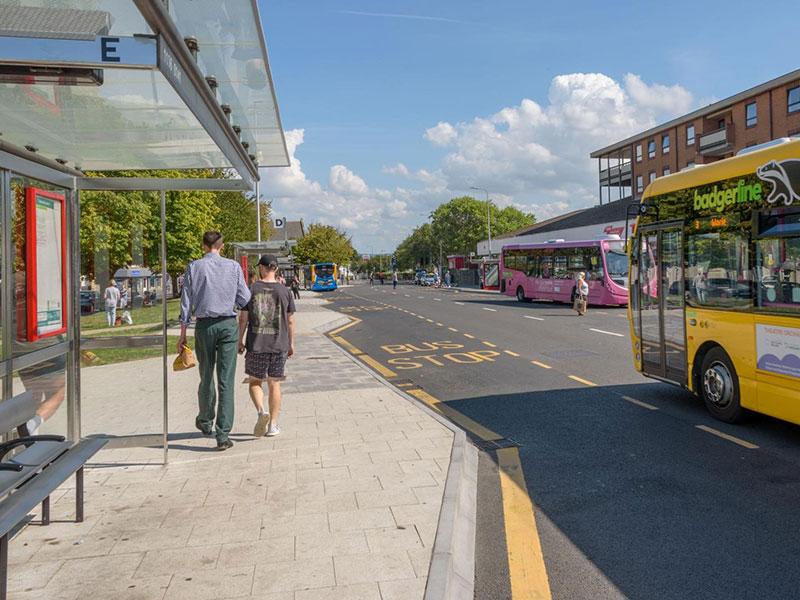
x: 46, y: 263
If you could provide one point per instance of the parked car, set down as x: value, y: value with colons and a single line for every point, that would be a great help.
x: 419, y: 276
x: 89, y: 301
x: 430, y: 279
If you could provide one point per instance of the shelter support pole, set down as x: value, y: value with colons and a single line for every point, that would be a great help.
x: 258, y: 210
x: 164, y: 353
x: 73, y: 269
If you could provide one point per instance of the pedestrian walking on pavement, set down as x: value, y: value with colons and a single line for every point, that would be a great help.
x: 581, y: 294
x: 111, y: 298
x: 295, y: 287
x: 213, y: 288
x: 268, y: 321
x: 394, y: 280
x: 372, y: 279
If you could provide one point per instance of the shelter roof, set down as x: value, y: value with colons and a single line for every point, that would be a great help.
x: 127, y: 85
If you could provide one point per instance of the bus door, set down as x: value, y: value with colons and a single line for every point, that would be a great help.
x: 661, y: 302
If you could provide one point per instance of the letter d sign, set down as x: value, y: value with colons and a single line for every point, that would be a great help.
x: 278, y: 223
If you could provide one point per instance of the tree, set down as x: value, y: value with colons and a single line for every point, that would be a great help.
x: 236, y: 219
x: 324, y: 243
x: 462, y: 222
x: 417, y: 250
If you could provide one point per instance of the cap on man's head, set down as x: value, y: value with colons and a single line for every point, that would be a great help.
x: 268, y: 260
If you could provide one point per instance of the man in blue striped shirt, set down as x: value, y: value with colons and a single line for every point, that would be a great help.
x: 213, y: 289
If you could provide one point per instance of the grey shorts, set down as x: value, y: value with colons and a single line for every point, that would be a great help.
x: 266, y: 365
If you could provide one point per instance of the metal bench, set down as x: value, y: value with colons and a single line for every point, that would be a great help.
x: 29, y: 477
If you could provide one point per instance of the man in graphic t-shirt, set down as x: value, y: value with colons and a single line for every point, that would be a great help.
x: 268, y: 321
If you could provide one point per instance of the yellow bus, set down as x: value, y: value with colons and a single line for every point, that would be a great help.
x: 715, y: 282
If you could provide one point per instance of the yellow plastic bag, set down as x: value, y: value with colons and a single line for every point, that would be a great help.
x: 184, y: 360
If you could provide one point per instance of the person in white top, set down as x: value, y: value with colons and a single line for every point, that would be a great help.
x: 111, y: 297
x: 581, y: 294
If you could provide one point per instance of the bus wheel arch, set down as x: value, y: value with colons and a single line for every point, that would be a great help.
x: 716, y: 381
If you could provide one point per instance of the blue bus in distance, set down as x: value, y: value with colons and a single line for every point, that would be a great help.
x: 323, y: 277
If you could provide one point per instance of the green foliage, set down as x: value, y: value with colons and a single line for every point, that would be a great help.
x: 124, y: 228
x: 456, y: 228
x: 417, y: 250
x: 324, y: 243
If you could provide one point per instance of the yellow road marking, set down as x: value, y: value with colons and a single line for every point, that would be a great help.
x: 459, y: 419
x: 510, y: 353
x: 346, y: 345
x: 453, y: 329
x: 490, y: 344
x: 388, y: 373
x: 540, y: 364
x: 583, y: 381
x: 354, y: 321
x: 466, y: 335
x: 730, y: 438
x: 528, y: 575
x: 640, y: 403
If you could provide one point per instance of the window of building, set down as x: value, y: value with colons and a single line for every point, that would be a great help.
x: 721, y: 124
x: 751, y: 115
x: 638, y: 153
x: 666, y: 171
x: 652, y: 176
x: 793, y: 99
x: 639, y: 184
x: 690, y: 135
x: 665, y: 143
x: 717, y: 270
x: 651, y: 149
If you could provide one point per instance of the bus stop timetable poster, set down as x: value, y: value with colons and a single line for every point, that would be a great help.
x: 46, y: 263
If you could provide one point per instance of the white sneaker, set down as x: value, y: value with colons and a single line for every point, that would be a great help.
x: 273, y: 431
x: 261, y: 425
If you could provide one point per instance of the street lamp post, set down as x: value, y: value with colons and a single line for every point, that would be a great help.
x: 488, y: 215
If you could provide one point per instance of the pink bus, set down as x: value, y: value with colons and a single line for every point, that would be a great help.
x: 547, y: 271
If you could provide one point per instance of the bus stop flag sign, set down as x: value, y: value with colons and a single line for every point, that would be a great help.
x: 279, y: 223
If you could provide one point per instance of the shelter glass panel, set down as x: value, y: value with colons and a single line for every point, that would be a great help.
x: 70, y: 19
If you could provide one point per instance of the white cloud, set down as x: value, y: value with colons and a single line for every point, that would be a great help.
x: 530, y: 155
x: 441, y: 135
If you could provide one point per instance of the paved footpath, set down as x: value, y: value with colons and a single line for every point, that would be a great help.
x: 343, y: 504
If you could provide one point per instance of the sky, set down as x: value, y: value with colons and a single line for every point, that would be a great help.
x: 391, y: 108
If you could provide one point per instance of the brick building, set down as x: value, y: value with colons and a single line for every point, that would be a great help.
x: 763, y: 113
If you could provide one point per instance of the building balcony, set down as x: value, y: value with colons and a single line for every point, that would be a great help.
x: 619, y: 175
x: 717, y: 143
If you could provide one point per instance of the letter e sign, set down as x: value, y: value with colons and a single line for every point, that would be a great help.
x: 109, y: 50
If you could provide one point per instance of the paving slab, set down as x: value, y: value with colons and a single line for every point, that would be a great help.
x: 356, y: 478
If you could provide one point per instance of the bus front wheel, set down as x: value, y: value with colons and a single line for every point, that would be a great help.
x: 520, y: 294
x: 719, y: 386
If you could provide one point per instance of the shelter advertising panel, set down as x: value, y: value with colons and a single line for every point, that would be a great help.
x: 46, y: 263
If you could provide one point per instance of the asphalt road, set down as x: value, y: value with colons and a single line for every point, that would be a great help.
x: 633, y: 499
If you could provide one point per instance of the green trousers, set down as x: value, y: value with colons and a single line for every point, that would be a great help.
x: 216, y: 345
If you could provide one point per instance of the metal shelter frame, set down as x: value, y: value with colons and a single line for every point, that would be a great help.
x: 168, y: 52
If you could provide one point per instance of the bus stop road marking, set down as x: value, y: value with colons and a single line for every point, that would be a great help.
x: 726, y: 436
x: 490, y: 344
x: 533, y: 318
x: 541, y: 364
x: 346, y: 345
x: 455, y: 416
x: 490, y: 309
x: 510, y: 353
x: 388, y: 373
x: 640, y: 403
x: 527, y: 571
x: 583, y: 381
x: 354, y: 321
x: 606, y: 332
